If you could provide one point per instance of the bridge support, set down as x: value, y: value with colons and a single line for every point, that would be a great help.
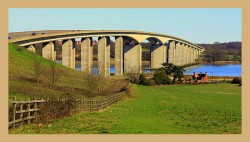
x: 171, y: 52
x: 104, y: 56
x: 188, y: 54
x: 132, y: 58
x: 177, y: 57
x: 48, y: 51
x: 86, y: 54
x: 118, y: 56
x: 182, y: 54
x: 193, y: 55
x: 31, y: 48
x: 158, y: 56
x: 54, y: 55
x: 185, y: 54
x: 68, y: 53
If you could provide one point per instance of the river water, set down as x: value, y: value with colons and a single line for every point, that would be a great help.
x: 211, y: 69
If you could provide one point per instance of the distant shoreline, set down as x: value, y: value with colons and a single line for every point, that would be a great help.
x: 226, y: 62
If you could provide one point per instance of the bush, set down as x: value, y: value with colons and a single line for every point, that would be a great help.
x: 161, y: 77
x: 142, y: 79
x: 239, y: 84
x: 55, y: 108
x: 236, y: 80
x: 151, y: 82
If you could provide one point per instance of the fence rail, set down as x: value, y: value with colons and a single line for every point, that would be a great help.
x: 24, y: 112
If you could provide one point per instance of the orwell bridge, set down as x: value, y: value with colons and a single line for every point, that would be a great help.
x: 128, y: 51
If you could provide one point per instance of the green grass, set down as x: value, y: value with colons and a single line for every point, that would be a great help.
x: 214, y: 109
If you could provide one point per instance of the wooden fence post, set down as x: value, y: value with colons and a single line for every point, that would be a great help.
x: 28, y: 108
x: 14, y: 114
x: 21, y: 113
x: 35, y: 107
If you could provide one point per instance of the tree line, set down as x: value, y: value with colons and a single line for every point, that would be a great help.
x: 228, y: 51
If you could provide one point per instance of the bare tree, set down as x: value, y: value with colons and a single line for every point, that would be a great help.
x: 94, y: 81
x: 36, y: 67
x: 54, y: 71
x: 133, y: 74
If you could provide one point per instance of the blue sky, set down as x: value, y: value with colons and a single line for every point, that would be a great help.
x: 198, y: 25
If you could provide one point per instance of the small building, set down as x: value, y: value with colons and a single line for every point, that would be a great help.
x: 200, y: 77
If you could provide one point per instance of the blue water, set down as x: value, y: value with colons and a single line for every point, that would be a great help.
x: 211, y: 69
x: 216, y: 70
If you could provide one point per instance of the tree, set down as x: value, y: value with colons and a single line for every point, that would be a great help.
x: 176, y: 71
x: 133, y: 75
x: 54, y: 71
x: 93, y: 81
x: 36, y: 67
x: 142, y: 79
x: 160, y: 77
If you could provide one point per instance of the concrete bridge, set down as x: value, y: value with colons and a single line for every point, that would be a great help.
x: 128, y: 51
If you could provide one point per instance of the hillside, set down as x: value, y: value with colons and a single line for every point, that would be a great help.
x: 23, y: 85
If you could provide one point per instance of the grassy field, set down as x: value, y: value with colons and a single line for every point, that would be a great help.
x: 214, y: 108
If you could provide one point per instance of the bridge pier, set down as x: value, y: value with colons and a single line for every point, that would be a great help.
x: 181, y: 54
x: 68, y: 53
x: 86, y: 55
x: 178, y: 54
x: 104, y: 56
x: 158, y: 56
x: 192, y: 54
x: 31, y: 48
x: 118, y: 56
x: 185, y: 54
x: 196, y: 54
x: 48, y: 50
x: 171, y: 52
x: 188, y: 54
x: 132, y: 54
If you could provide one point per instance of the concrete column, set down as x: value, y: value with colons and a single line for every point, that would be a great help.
x: 187, y: 54
x: 195, y: 54
x: 108, y: 57
x: 104, y: 56
x: 86, y: 54
x: 158, y: 56
x: 191, y: 54
x: 48, y: 51
x: 118, y: 56
x: 73, y: 66
x: 54, y: 55
x: 174, y: 53
x: 171, y: 53
x: 132, y: 58
x: 68, y: 53
x: 183, y: 54
x: 31, y: 48
x: 177, y: 58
